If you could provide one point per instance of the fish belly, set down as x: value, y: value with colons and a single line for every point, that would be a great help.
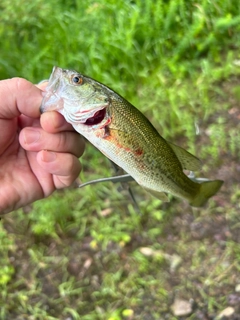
x: 134, y: 161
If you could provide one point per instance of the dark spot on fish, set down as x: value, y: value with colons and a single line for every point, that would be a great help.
x: 97, y: 118
x: 138, y: 152
x: 106, y: 132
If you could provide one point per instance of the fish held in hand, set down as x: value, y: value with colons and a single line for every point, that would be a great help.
x: 124, y: 135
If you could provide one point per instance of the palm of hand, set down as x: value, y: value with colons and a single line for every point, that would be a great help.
x: 19, y: 170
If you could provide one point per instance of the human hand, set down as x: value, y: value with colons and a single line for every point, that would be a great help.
x: 37, y: 154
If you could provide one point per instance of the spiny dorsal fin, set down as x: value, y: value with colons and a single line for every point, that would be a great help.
x: 187, y: 160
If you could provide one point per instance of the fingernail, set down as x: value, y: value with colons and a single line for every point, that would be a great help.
x: 48, y: 156
x: 42, y: 85
x: 31, y: 136
x: 42, y: 81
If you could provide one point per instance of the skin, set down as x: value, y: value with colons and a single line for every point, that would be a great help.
x: 38, y: 154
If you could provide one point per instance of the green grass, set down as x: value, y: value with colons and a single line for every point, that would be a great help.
x: 87, y: 254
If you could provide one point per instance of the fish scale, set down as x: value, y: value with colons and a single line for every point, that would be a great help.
x: 157, y: 161
x: 124, y: 135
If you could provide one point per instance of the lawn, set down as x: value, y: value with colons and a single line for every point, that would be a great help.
x: 89, y: 253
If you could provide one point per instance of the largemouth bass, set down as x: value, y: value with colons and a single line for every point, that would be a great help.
x: 124, y: 135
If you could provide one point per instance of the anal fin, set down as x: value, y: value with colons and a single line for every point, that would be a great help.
x: 159, y: 195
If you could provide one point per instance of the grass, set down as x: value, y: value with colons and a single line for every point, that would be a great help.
x: 87, y: 254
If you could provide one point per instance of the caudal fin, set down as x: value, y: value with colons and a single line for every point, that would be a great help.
x: 207, y: 189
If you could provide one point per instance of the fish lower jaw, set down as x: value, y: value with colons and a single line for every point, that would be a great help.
x: 52, y: 106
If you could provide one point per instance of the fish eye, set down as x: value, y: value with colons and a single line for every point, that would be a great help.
x: 77, y: 80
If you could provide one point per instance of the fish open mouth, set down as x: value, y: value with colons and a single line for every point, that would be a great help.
x: 97, y: 118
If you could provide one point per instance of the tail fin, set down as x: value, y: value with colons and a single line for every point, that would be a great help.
x: 207, y: 189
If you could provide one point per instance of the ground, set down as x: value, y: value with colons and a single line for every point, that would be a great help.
x: 108, y: 261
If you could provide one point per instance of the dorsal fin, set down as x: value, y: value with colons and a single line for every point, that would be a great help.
x: 187, y: 160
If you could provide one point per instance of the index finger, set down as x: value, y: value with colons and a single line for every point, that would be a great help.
x: 53, y: 121
x: 19, y: 96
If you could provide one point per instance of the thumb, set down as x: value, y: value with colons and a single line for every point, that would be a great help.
x: 19, y: 96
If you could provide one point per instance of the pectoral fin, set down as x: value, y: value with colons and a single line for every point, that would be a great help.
x: 187, y: 160
x: 115, y: 179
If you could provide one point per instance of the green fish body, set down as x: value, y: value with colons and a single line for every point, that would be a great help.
x: 125, y: 135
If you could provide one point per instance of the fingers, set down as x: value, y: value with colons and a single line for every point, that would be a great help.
x: 20, y: 96
x: 63, y: 175
x: 37, y: 139
x: 53, y: 121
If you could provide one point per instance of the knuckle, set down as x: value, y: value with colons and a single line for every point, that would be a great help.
x: 62, y: 144
x: 19, y: 82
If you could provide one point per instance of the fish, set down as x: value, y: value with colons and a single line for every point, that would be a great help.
x: 124, y: 135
